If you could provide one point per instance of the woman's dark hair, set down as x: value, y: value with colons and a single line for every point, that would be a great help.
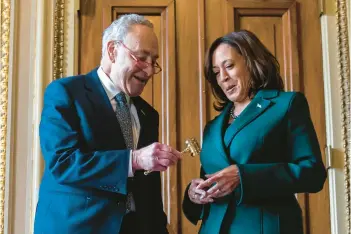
x: 261, y: 64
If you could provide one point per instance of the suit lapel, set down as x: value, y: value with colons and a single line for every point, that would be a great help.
x: 218, y: 127
x: 100, y: 102
x: 256, y: 107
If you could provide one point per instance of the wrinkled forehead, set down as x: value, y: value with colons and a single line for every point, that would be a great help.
x: 142, y: 39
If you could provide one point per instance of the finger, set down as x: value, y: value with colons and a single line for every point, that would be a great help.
x: 210, y: 181
x: 203, y: 199
x: 195, y: 182
x: 166, y: 155
x: 216, y: 194
x: 206, y: 199
x: 207, y: 183
x: 210, y: 175
x: 176, y: 153
x: 169, y: 149
x: 196, y: 199
x: 163, y: 147
x: 200, y: 192
x: 165, y: 162
x: 202, y: 185
x: 213, y: 189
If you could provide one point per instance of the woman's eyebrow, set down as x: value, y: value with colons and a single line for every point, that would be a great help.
x: 223, y: 62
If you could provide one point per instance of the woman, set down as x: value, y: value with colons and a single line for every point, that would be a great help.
x: 259, y: 151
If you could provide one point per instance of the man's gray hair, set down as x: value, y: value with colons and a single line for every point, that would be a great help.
x: 119, y: 28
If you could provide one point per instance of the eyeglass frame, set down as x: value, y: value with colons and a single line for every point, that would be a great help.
x: 138, y: 60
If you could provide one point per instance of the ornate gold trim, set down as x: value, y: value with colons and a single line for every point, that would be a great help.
x: 344, y: 71
x: 4, y: 77
x: 58, y: 56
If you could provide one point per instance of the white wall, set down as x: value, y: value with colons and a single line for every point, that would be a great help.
x: 20, y: 115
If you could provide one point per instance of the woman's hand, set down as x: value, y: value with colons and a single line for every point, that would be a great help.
x: 223, y: 182
x: 196, y: 195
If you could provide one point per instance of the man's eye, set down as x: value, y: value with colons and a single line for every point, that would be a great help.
x: 142, y: 58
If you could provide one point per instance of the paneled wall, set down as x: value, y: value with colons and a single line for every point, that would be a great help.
x: 290, y: 29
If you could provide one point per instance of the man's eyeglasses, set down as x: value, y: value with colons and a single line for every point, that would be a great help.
x: 140, y: 63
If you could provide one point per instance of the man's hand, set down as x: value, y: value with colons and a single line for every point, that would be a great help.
x: 155, y: 157
x: 223, y: 182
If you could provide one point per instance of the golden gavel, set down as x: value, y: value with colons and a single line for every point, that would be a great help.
x: 191, y: 146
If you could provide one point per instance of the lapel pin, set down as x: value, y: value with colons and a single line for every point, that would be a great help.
x: 143, y: 112
x: 259, y: 105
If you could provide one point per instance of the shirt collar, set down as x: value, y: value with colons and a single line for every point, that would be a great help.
x: 110, y: 88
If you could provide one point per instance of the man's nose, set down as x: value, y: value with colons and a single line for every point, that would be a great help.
x: 149, y: 71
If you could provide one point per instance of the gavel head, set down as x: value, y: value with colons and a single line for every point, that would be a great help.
x: 193, y: 147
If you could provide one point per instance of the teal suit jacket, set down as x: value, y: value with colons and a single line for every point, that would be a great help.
x: 274, y: 145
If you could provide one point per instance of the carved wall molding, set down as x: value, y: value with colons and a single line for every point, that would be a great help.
x: 59, y: 21
x: 344, y: 74
x: 5, y: 8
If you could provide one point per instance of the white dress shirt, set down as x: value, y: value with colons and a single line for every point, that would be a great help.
x: 112, y: 91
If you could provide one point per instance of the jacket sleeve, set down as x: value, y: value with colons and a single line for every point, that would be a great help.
x: 304, y: 170
x: 62, y: 144
x: 192, y: 211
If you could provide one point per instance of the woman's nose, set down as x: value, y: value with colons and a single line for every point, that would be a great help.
x: 224, y: 76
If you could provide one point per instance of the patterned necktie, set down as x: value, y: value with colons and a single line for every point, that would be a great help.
x: 124, y: 119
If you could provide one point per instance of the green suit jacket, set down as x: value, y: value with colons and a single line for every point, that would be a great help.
x: 274, y: 145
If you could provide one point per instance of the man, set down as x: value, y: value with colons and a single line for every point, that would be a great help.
x: 98, y: 136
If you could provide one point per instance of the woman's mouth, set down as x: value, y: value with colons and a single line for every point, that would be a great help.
x: 231, y: 89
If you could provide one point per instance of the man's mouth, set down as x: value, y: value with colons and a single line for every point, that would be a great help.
x: 142, y: 80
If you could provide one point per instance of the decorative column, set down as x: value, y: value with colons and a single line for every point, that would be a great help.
x: 344, y: 74
x: 5, y: 9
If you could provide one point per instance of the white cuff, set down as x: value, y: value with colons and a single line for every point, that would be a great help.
x: 130, y: 170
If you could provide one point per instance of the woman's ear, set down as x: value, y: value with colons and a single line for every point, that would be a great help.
x: 111, y: 51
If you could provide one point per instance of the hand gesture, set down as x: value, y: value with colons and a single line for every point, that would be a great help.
x: 155, y: 157
x: 223, y: 182
x: 196, y: 195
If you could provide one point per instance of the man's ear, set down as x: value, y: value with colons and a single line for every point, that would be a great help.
x: 111, y: 50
